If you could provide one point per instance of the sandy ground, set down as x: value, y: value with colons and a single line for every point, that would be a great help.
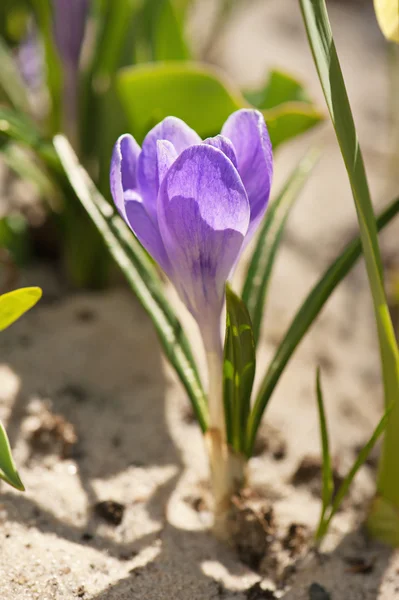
x: 94, y: 360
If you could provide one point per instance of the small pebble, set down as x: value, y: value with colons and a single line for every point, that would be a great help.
x: 317, y: 592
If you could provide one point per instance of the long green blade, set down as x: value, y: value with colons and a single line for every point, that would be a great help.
x: 360, y: 460
x: 140, y: 274
x: 54, y: 75
x: 8, y: 471
x: 260, y: 268
x: 325, y: 56
x: 238, y: 369
x: 327, y: 476
x: 11, y: 81
x: 303, y: 319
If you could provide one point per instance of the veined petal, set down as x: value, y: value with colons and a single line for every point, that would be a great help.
x: 181, y: 136
x: 225, y: 145
x: 166, y: 155
x: 247, y: 131
x: 145, y: 230
x: 203, y: 215
x: 123, y: 170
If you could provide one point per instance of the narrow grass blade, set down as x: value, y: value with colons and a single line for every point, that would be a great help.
x: 140, y: 274
x: 304, y: 318
x: 11, y: 81
x: 238, y: 369
x: 327, y: 476
x: 260, y: 268
x: 326, y: 60
x: 8, y: 471
x: 54, y: 75
x: 114, y: 20
x: 360, y: 460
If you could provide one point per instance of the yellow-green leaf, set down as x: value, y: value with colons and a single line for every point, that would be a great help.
x: 8, y: 471
x: 387, y: 12
x: 14, y: 304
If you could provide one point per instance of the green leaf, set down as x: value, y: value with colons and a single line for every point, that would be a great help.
x: 113, y: 22
x: 8, y: 471
x: 200, y: 95
x: 260, y: 267
x: 304, y: 318
x: 149, y: 93
x: 360, y: 460
x: 140, y: 274
x: 54, y: 75
x: 280, y: 87
x: 11, y: 81
x: 14, y: 304
x: 326, y: 60
x: 327, y: 475
x: 169, y: 42
x: 238, y: 369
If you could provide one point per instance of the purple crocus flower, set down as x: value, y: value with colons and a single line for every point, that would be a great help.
x: 69, y: 18
x: 194, y: 204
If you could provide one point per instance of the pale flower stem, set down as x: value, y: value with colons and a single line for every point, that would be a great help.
x: 215, y: 394
x: 227, y: 468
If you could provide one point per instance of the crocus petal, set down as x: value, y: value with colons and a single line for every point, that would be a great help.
x: 203, y: 215
x: 225, y: 145
x: 70, y: 18
x: 247, y: 131
x: 166, y: 155
x: 123, y: 170
x: 145, y: 230
x: 177, y: 133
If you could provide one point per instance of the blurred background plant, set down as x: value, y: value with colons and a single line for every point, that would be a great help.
x: 93, y: 69
x: 12, y: 306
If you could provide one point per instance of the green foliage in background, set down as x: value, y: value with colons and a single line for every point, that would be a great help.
x: 12, y: 306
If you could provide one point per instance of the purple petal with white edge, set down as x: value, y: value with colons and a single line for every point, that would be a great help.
x: 123, y: 170
x: 172, y: 130
x: 247, y: 131
x: 225, y: 145
x: 203, y: 215
x: 166, y: 156
x: 145, y: 230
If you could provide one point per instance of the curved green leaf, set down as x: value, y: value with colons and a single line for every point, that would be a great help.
x: 327, y: 474
x: 8, y: 471
x: 260, y: 267
x: 14, y: 304
x: 238, y: 369
x: 359, y: 461
x: 280, y: 87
